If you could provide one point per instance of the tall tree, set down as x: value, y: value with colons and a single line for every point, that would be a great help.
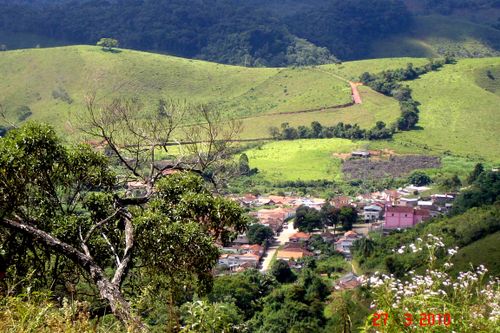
x: 64, y: 199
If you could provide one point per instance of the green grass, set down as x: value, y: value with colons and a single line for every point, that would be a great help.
x: 484, y: 251
x: 300, y: 159
x: 456, y: 114
x: 435, y: 35
x: 459, y: 111
x: 29, y: 78
x: 353, y: 69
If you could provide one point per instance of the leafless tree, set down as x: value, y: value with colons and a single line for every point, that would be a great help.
x: 136, y: 137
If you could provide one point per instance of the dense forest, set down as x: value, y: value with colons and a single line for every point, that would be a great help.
x: 217, y: 30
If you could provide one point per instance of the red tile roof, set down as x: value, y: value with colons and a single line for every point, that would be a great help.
x: 300, y: 235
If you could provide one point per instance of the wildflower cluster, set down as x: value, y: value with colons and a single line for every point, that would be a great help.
x: 471, y: 304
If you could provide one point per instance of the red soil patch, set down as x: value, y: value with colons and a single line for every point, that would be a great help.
x: 356, y: 96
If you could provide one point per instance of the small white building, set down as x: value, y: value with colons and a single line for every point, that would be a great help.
x: 372, y: 213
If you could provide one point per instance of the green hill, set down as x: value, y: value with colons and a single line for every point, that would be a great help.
x: 459, y: 111
x: 52, y: 84
x: 435, y: 35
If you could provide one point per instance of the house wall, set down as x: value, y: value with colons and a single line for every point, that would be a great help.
x: 398, y: 220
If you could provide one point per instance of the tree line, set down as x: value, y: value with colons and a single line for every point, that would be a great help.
x: 318, y: 131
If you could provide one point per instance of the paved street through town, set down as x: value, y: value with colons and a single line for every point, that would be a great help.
x: 281, y: 240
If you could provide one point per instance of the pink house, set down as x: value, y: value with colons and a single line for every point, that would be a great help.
x: 404, y: 217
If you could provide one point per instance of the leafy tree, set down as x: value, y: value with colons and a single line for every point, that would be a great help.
x: 107, y: 43
x: 474, y: 175
x: 419, y: 178
x: 286, y: 310
x: 282, y: 272
x: 364, y: 246
x: 64, y: 199
x: 244, y: 167
x: 258, y: 233
x: 330, y: 215
x: 484, y: 191
x: 452, y: 183
x: 348, y: 216
x: 307, y: 219
x: 243, y: 289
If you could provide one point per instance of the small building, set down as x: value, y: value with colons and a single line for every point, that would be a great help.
x: 372, y: 213
x: 293, y: 252
x: 359, y: 153
x: 344, y: 244
x: 400, y: 217
x: 348, y: 281
x: 408, y: 202
x: 341, y: 201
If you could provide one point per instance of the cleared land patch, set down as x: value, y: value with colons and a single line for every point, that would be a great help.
x: 395, y: 166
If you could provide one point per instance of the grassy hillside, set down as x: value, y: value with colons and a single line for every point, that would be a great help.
x: 435, y: 35
x: 52, y: 83
x: 459, y: 111
x: 484, y: 251
x: 457, y: 114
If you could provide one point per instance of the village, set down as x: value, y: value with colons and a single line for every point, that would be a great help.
x: 376, y: 212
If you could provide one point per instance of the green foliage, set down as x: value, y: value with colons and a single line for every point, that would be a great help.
x: 307, y: 219
x: 419, y: 178
x: 200, y: 316
x: 258, y: 233
x: 460, y: 230
x: 364, y: 247
x: 348, y: 216
x: 23, y: 113
x: 37, y: 313
x: 452, y: 183
x: 484, y: 190
x: 107, y: 43
x: 286, y: 310
x: 282, y: 272
x: 340, y: 130
x: 470, y: 302
x: 336, y: 24
x: 474, y: 175
x: 243, y: 290
x: 388, y: 83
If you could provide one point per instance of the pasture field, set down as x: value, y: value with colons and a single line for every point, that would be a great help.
x: 301, y: 159
x: 459, y: 114
x: 456, y: 114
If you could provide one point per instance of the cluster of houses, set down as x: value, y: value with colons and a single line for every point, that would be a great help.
x: 240, y: 257
x: 389, y: 209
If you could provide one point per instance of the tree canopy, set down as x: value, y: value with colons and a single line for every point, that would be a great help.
x: 65, y: 198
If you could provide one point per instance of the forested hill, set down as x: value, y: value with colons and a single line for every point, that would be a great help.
x: 261, y: 32
x: 225, y: 31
